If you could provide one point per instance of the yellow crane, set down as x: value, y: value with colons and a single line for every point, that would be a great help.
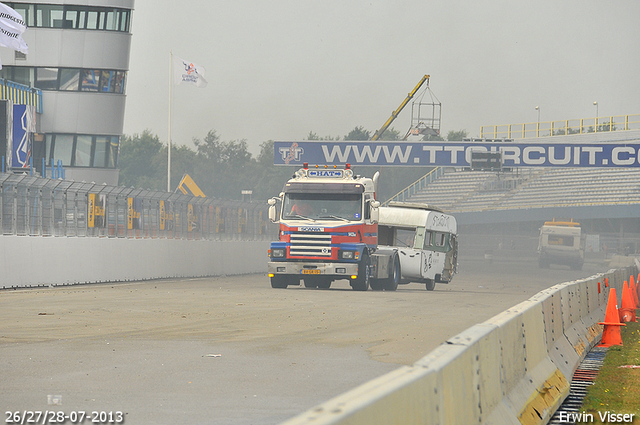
x: 189, y: 187
x: 395, y: 113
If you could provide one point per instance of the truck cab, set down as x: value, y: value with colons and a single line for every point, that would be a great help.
x: 561, y: 242
x: 328, y: 229
x: 426, y: 240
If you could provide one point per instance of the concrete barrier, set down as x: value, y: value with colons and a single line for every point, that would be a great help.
x: 39, y: 261
x: 515, y: 368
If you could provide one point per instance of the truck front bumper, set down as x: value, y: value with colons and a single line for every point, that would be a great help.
x: 335, y: 270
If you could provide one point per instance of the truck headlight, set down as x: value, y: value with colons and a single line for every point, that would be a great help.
x: 277, y: 253
x: 347, y: 255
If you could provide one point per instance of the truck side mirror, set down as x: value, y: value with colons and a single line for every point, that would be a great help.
x: 273, y: 214
x: 374, y: 212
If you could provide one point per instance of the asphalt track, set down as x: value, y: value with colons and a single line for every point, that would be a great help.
x: 231, y: 350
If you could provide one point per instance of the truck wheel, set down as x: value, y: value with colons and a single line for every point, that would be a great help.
x: 391, y: 283
x: 430, y: 284
x: 280, y: 282
x: 361, y: 283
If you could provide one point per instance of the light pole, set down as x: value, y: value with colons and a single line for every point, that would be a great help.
x: 538, y: 126
x: 595, y: 103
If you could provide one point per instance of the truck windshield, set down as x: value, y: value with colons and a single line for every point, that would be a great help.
x: 325, y: 206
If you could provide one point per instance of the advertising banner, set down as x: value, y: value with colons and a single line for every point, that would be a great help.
x: 192, y: 219
x: 163, y: 218
x: 97, y: 204
x: 166, y: 215
x: 23, y: 128
x: 457, y: 154
x: 134, y: 208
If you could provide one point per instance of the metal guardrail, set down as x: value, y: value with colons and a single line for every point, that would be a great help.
x: 416, y: 186
x: 561, y: 128
x: 34, y: 206
x: 21, y: 94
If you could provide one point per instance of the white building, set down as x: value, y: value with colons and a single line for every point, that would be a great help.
x: 79, y: 57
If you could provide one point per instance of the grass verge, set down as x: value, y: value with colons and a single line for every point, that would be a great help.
x: 617, y: 389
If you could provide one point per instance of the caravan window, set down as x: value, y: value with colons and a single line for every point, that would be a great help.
x: 439, y: 239
x: 404, y: 238
x: 427, y: 240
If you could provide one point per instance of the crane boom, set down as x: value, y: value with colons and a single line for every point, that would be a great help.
x: 395, y: 113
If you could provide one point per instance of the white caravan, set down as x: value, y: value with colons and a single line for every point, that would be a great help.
x: 426, y: 239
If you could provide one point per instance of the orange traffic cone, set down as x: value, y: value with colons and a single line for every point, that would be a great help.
x: 611, y: 333
x: 627, y: 310
x: 634, y: 292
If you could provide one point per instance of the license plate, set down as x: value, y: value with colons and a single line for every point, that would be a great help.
x: 310, y: 271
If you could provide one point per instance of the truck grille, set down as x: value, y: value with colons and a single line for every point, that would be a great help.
x: 310, y: 245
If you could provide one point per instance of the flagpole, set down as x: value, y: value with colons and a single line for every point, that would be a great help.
x: 169, y: 142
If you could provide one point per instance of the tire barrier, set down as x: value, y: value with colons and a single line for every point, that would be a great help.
x: 511, y: 369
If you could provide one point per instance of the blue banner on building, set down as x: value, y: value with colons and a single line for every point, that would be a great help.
x: 22, y: 130
x: 457, y: 154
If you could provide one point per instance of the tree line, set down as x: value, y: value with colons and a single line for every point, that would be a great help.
x: 223, y: 169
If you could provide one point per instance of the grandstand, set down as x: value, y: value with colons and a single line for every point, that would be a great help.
x: 512, y: 204
x: 462, y: 190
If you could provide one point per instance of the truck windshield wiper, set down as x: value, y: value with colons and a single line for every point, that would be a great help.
x: 300, y: 216
x: 334, y: 217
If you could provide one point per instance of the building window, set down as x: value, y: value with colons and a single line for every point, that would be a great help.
x: 73, y: 17
x: 93, y: 19
x: 114, y: 150
x: 90, y: 78
x: 111, y: 22
x: 101, y: 151
x: 67, y: 79
x: 20, y: 75
x: 49, y: 16
x: 82, y: 157
x: 120, y: 78
x: 48, y: 146
x: 46, y: 78
x: 123, y: 20
x: 82, y: 150
x: 62, y: 149
x: 26, y: 11
x: 107, y: 81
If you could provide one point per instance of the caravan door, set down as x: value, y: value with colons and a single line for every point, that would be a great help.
x: 410, y: 258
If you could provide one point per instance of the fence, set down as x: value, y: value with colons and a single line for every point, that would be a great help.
x: 34, y: 206
x: 561, y: 128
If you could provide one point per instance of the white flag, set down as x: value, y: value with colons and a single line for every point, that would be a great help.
x: 11, y: 18
x: 188, y: 72
x: 11, y: 28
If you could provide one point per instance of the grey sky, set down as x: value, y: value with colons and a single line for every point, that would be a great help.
x: 279, y: 69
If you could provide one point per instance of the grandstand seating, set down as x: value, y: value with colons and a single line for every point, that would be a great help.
x: 460, y: 190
